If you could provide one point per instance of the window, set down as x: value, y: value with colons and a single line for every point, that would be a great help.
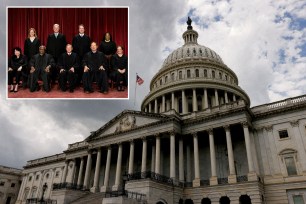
x: 2, y: 183
x: 56, y: 173
x: 30, y: 178
x: 13, y: 185
x: 160, y: 82
x: 225, y: 77
x: 172, y: 76
x: 197, y: 73
x: 47, y: 176
x: 205, y: 72
x: 26, y: 193
x: 220, y: 75
x: 188, y: 73
x: 298, y: 199
x: 180, y: 74
x: 283, y: 134
x: 290, y: 165
x: 213, y: 74
x: 37, y: 177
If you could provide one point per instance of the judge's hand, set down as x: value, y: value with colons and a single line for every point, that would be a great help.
x: 86, y: 69
x: 47, y: 69
x: 62, y: 70
x: 101, y: 68
x: 19, y: 69
x: 10, y: 69
x: 122, y: 71
x: 32, y: 70
x: 71, y: 69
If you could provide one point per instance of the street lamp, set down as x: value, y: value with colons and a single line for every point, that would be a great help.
x: 44, y: 188
x: 124, y: 178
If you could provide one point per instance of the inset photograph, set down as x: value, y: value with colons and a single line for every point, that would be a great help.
x: 67, y: 53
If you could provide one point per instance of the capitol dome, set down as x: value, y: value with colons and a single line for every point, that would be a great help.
x: 193, y: 78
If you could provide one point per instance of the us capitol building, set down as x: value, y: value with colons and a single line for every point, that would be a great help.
x: 195, y: 140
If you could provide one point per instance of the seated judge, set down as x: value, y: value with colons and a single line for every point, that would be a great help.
x: 68, y: 65
x: 120, y: 65
x: 41, y: 66
x: 17, y: 64
x: 95, y: 69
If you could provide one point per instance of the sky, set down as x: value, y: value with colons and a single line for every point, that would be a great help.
x: 263, y: 42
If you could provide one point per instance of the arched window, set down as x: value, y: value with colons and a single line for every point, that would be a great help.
x: 224, y: 200
x: 199, y: 102
x: 160, y: 82
x: 225, y: 77
x: 213, y: 74
x: 166, y: 79
x: 188, y: 201
x: 188, y: 73
x: 189, y: 102
x: 180, y: 75
x: 205, y: 201
x: 245, y: 199
x: 220, y: 75
x: 205, y: 72
x: 197, y: 73
x: 172, y: 76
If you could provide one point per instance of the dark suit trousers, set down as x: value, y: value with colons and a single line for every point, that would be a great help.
x: 64, y: 76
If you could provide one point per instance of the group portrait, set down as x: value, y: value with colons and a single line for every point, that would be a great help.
x: 67, y: 52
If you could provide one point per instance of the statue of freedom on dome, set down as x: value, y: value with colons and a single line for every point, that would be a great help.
x: 189, y: 21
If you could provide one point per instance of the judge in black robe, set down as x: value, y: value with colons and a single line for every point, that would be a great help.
x: 81, y: 46
x: 68, y: 65
x: 41, y: 66
x: 17, y: 63
x: 56, y: 44
x: 120, y: 64
x: 31, y: 46
x: 95, y: 68
x: 108, y: 47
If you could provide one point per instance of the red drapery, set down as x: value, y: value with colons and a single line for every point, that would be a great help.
x: 97, y: 22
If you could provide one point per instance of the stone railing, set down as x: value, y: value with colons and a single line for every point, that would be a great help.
x: 77, y: 145
x: 243, y: 178
x: 46, y: 159
x: 279, y: 104
x: 44, y: 201
x: 70, y: 186
x: 140, y: 197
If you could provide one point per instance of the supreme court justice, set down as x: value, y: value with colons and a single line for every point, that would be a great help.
x: 31, y: 46
x: 95, y: 68
x: 56, y: 45
x: 41, y: 66
x: 68, y: 64
x: 108, y: 47
x: 120, y: 65
x: 81, y: 46
x: 17, y: 63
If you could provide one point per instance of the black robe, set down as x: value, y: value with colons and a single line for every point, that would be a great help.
x: 66, y: 62
x: 93, y: 61
x: 31, y: 48
x: 40, y: 63
x: 15, y: 63
x: 120, y: 63
x: 56, y: 46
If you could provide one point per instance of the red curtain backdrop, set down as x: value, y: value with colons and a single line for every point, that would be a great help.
x: 97, y: 22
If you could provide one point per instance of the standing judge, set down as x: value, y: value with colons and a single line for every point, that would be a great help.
x: 120, y: 64
x: 56, y: 44
x: 31, y: 46
x: 81, y: 46
x: 94, y: 69
x: 68, y: 65
x: 41, y: 66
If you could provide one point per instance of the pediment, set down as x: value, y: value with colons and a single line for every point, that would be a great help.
x: 128, y: 120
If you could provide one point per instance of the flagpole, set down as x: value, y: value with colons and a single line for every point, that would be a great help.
x: 135, y: 90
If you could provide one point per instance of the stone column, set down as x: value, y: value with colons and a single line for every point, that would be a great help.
x: 72, y: 171
x: 216, y: 97
x: 131, y: 158
x: 251, y: 175
x: 213, y: 180
x: 107, y: 170
x: 234, y: 97
x: 144, y: 155
x: 205, y: 99
x: 181, y: 160
x: 155, y: 106
x: 232, y: 178
x: 64, y: 175
x: 188, y: 163
x: 116, y: 187
x: 194, y: 100
x: 163, y: 103
x: 300, y: 144
x: 79, y: 183
x: 153, y: 159
x: 225, y: 96
x: 22, y: 188
x: 150, y: 107
x: 184, y: 102
x: 87, y: 171
x: 196, y: 181
x: 172, y: 155
x: 157, y: 157
x: 95, y: 187
x: 172, y: 101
